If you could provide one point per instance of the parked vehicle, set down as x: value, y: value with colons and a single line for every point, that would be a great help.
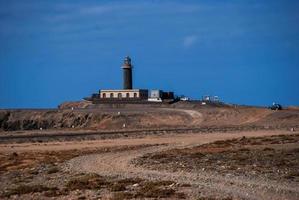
x: 183, y: 98
x: 275, y: 106
x: 155, y: 99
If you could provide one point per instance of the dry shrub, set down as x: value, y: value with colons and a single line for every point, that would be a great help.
x: 53, y: 170
x: 88, y: 181
x: 129, y: 181
x: 26, y: 189
x: 116, y: 187
x: 156, y: 190
x: 122, y: 196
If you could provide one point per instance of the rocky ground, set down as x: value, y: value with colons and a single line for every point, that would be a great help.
x: 274, y: 158
x: 115, y: 117
x: 244, y: 165
x: 213, y: 153
x: 41, y: 176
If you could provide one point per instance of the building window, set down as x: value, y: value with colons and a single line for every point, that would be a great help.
x: 111, y: 95
x: 104, y: 95
x: 128, y: 95
x: 135, y: 95
x: 119, y: 95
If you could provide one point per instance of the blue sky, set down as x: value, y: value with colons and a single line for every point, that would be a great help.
x: 246, y: 52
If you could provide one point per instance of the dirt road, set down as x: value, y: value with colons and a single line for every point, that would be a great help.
x: 170, y: 139
x: 120, y: 164
x: 196, y: 118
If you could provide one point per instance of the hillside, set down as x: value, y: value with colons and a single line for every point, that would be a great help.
x: 114, y: 117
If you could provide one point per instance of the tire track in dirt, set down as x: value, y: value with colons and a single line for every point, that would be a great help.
x: 120, y: 164
x: 197, y: 117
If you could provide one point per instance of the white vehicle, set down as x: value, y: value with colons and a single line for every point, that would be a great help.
x: 155, y: 99
x: 185, y: 99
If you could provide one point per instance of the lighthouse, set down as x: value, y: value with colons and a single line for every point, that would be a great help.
x: 127, y: 74
x: 127, y: 94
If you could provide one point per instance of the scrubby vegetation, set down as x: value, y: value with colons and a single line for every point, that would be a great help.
x: 275, y: 157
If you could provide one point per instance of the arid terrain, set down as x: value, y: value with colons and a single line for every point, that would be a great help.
x: 181, y: 151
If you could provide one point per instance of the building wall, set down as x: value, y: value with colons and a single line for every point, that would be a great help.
x: 155, y: 94
x: 167, y: 95
x: 161, y: 94
x: 142, y: 94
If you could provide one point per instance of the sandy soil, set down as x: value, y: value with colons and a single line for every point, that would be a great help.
x: 183, y: 139
x: 128, y: 166
x: 204, y: 183
x: 119, y: 164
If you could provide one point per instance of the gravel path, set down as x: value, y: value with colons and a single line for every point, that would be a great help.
x: 196, y: 117
x: 120, y: 164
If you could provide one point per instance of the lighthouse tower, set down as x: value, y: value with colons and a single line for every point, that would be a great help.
x: 127, y: 74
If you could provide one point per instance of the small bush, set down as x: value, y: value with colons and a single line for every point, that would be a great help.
x: 116, y: 187
x: 122, y: 195
x: 89, y: 181
x: 268, y: 149
x: 53, y: 170
x: 26, y: 189
x: 155, y: 190
x: 130, y: 181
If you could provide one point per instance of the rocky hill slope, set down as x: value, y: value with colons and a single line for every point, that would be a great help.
x: 181, y: 114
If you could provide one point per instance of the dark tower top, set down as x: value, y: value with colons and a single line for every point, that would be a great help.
x: 127, y: 74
